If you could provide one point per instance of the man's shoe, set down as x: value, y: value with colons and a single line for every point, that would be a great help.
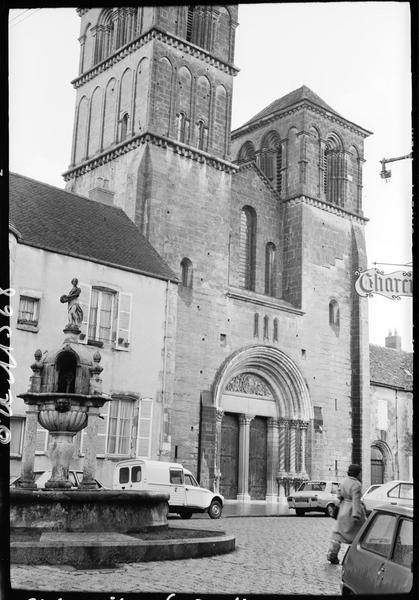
x: 333, y: 560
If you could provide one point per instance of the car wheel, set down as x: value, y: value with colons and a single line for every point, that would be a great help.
x: 330, y: 510
x: 300, y: 512
x: 185, y: 514
x: 215, y: 509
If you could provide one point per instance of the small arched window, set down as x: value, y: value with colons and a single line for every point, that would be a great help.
x: 124, y: 127
x: 247, y: 248
x: 256, y: 325
x: 187, y: 272
x: 334, y: 316
x: 275, y: 333
x: 265, y: 327
x: 202, y: 134
x: 270, y: 259
x: 182, y: 127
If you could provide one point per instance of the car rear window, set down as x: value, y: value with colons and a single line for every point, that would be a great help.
x: 313, y: 486
x: 379, y: 535
x: 176, y: 476
x: 136, y: 474
x: 124, y: 475
x: 403, y: 548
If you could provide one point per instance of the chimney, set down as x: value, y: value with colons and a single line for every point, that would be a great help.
x: 394, y: 341
x: 102, y: 193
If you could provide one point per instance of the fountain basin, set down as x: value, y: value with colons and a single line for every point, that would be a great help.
x: 87, y: 511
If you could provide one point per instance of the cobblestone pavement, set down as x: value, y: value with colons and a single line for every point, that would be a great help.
x: 274, y: 555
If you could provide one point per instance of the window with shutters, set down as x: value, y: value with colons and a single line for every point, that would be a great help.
x: 247, y: 248
x: 121, y: 415
x: 145, y: 417
x: 17, y: 429
x: 106, y: 316
x: 189, y: 23
x: 41, y: 445
x: 270, y: 258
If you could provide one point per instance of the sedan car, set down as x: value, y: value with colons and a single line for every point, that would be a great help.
x: 41, y: 477
x: 392, y: 492
x: 379, y: 560
x: 312, y: 496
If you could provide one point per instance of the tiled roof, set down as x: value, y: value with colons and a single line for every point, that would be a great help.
x: 302, y: 93
x: 393, y: 368
x: 54, y: 219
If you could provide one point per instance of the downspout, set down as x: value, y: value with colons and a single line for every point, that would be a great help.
x: 396, y: 458
x: 164, y: 377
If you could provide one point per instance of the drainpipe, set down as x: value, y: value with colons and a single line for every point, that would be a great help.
x: 166, y: 315
x: 396, y: 458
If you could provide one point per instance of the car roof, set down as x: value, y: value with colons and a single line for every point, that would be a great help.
x: 397, y: 509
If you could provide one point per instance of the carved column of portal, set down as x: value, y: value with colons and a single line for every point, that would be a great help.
x: 293, y: 430
x: 282, y: 424
x: 272, y: 460
x: 217, y: 471
x: 244, y: 443
x: 303, y: 433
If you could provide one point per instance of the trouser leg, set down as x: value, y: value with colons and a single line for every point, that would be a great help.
x: 334, y: 547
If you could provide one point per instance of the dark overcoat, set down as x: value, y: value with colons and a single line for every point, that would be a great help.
x: 350, y: 506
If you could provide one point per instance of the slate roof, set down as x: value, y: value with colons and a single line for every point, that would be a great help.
x: 59, y: 221
x: 302, y: 93
x: 388, y: 367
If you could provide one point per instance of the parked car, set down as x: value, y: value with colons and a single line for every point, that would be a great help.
x: 315, y: 496
x: 379, y: 560
x: 41, y: 477
x: 393, y: 492
x: 186, y: 495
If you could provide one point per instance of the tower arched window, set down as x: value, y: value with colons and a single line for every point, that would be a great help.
x: 246, y: 153
x: 256, y: 325
x: 124, y: 127
x: 182, y: 127
x: 334, y: 315
x: 116, y: 27
x: 270, y: 256
x: 187, y: 272
x: 334, y: 170
x: 189, y: 23
x: 247, y: 248
x: 270, y: 158
x: 202, y: 135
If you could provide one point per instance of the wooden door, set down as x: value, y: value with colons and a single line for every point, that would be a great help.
x: 377, y: 465
x: 229, y: 460
x: 257, y: 458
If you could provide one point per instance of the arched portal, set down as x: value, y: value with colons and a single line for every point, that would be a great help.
x: 263, y: 412
x: 382, y: 467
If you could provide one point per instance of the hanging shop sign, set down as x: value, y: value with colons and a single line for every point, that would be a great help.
x: 392, y: 285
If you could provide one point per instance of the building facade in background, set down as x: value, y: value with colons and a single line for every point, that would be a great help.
x: 128, y: 297
x: 264, y: 229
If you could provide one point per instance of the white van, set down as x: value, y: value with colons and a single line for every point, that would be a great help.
x: 186, y: 496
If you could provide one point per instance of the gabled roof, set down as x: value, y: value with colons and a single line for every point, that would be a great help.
x: 302, y: 93
x: 392, y: 368
x: 59, y: 221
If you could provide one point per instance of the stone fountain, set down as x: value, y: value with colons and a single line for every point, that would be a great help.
x: 52, y: 525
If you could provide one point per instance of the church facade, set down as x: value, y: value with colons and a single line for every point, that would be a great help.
x: 263, y: 227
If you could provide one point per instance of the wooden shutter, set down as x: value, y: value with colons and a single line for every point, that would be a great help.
x: 145, y: 427
x: 84, y: 301
x: 102, y: 431
x: 124, y: 321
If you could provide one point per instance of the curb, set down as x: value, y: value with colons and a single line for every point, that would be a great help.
x: 85, y: 554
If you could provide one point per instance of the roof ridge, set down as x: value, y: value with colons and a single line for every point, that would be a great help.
x: 65, y: 191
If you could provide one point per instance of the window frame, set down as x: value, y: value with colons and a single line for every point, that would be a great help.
x: 369, y: 528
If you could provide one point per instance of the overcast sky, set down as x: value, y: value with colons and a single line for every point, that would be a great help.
x: 355, y: 56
